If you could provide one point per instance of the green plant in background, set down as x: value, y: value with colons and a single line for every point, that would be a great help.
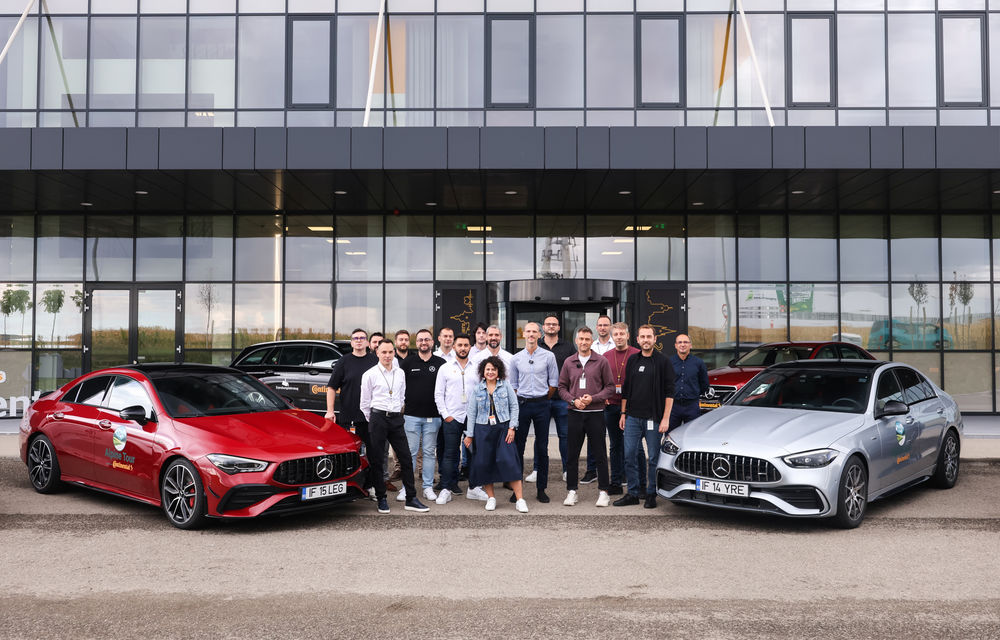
x: 14, y: 300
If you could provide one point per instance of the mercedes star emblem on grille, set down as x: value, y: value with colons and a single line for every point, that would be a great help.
x: 710, y: 393
x: 324, y: 468
x: 720, y: 467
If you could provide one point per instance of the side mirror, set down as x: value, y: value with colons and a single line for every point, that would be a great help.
x: 135, y: 414
x: 893, y: 408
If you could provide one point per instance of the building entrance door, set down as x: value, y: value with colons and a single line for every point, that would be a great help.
x: 570, y: 319
x: 132, y: 324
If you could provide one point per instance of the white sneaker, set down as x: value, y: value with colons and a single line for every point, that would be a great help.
x: 444, y: 497
x: 401, y: 496
x: 570, y: 499
x: 476, y: 493
x: 429, y: 494
x: 532, y: 477
x: 564, y: 476
x: 371, y: 493
x: 491, y: 504
x: 602, y: 499
x: 522, y: 506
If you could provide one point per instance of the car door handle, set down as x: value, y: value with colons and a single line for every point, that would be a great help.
x: 104, y: 424
x: 909, y: 420
x: 269, y: 372
x: 940, y: 410
x: 313, y: 372
x: 58, y: 415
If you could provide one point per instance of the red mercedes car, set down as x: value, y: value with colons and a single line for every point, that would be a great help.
x: 197, y: 440
x: 726, y: 381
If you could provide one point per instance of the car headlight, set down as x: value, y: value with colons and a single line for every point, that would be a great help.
x: 235, y: 464
x: 811, y: 459
x: 669, y: 447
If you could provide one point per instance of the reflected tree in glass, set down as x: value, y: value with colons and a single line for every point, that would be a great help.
x: 14, y: 300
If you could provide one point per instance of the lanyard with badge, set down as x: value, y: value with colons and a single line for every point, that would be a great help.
x: 649, y: 423
x: 493, y: 409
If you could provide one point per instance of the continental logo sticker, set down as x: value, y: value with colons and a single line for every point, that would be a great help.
x: 119, y: 438
x: 318, y: 389
x: 902, y: 458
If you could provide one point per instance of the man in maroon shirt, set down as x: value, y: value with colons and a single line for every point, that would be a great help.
x: 617, y: 357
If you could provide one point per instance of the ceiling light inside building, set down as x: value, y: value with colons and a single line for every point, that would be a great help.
x: 697, y: 204
x: 431, y: 204
x: 798, y: 192
x: 340, y: 193
x: 624, y: 240
x: 86, y: 204
x: 624, y: 192
x: 511, y: 193
x: 611, y: 253
x: 639, y: 228
x: 486, y: 228
x: 343, y: 241
x: 142, y: 193
x: 321, y: 228
x: 479, y: 241
x: 355, y: 253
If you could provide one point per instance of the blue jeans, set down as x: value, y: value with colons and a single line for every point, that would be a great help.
x: 422, y: 433
x: 635, y: 431
x: 535, y: 413
x: 559, y: 409
x: 452, y: 444
x: 616, y: 447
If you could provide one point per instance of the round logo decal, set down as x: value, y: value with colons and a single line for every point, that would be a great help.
x: 3, y: 377
x: 432, y: 368
x: 118, y: 439
x: 900, y: 434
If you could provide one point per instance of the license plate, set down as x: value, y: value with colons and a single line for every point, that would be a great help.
x: 723, y: 488
x: 709, y: 405
x: 324, y: 490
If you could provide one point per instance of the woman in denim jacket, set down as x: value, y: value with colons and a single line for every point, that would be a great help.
x: 492, y: 416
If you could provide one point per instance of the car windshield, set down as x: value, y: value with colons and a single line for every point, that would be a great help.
x: 187, y: 394
x: 766, y: 356
x: 817, y: 389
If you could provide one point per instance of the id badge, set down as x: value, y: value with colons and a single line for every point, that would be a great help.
x: 430, y: 420
x: 493, y: 420
x: 618, y: 389
x: 583, y: 383
x: 649, y: 425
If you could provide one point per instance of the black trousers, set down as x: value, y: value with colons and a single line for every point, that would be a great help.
x: 589, y: 424
x: 383, y: 431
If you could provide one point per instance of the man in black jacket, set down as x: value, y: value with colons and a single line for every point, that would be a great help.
x: 647, y: 398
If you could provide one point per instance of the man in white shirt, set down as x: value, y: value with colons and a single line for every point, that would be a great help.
x: 492, y: 349
x: 446, y: 338
x: 604, y: 343
x: 480, y: 343
x: 383, y: 389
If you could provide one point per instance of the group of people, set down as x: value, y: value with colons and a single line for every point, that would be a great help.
x: 472, y: 400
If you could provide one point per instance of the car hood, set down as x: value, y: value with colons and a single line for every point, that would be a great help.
x: 268, y: 435
x: 763, y: 431
x: 735, y: 376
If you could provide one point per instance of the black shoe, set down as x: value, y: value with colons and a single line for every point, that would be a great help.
x: 542, y: 496
x: 588, y: 477
x: 512, y: 499
x: 615, y: 490
x: 650, y: 502
x: 463, y: 473
x: 383, y: 505
x: 455, y: 490
x: 438, y: 487
x: 413, y: 504
x: 626, y: 500
x: 642, y: 495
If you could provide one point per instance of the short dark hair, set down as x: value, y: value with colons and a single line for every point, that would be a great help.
x: 376, y: 333
x: 445, y: 328
x: 604, y: 316
x: 552, y: 315
x: 496, y: 362
x: 361, y: 330
x: 583, y: 329
x: 463, y: 335
x: 427, y: 331
x: 480, y: 325
x: 402, y: 332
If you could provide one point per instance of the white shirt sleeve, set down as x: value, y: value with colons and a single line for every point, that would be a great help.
x: 366, y: 395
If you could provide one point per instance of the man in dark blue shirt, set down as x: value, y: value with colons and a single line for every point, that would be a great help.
x: 690, y: 382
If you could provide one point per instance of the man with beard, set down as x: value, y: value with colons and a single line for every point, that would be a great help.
x: 492, y: 349
x: 454, y: 386
x: 558, y: 408
x: 402, y: 341
x: 375, y: 340
x: 618, y: 358
x: 422, y: 420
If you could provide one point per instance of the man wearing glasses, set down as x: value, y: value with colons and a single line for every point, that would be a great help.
x: 690, y: 382
x: 346, y: 380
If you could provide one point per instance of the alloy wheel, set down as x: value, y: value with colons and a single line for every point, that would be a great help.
x: 951, y: 458
x: 40, y: 463
x: 180, y: 493
x: 854, y: 501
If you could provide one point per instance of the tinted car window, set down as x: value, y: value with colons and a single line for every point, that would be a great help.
x: 324, y: 357
x: 827, y: 351
x: 92, y: 391
x: 888, y: 389
x: 256, y: 357
x: 850, y: 353
x: 914, y: 389
x: 292, y: 356
x: 127, y: 392
x: 816, y: 389
x: 187, y: 394
x: 766, y: 356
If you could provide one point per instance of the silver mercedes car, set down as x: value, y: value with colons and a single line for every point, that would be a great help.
x: 817, y: 438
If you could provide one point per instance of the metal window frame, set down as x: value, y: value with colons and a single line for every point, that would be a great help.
x: 681, y: 60
x: 830, y: 18
x: 488, y: 60
x: 290, y: 21
x: 984, y: 57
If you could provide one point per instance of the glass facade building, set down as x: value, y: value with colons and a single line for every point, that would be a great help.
x: 572, y: 155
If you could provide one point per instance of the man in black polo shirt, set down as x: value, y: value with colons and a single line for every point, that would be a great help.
x: 421, y: 419
x: 346, y: 380
x: 558, y: 407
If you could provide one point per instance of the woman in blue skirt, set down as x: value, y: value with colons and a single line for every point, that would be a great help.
x: 492, y: 416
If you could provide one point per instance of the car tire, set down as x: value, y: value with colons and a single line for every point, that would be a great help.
x: 852, y: 496
x: 946, y: 473
x: 182, y: 495
x: 43, y: 466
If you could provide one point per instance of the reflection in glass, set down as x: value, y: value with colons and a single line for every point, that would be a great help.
x: 219, y: 358
x: 311, y: 61
x: 558, y: 250
x: 965, y: 251
x: 967, y: 380
x: 359, y: 248
x: 864, y: 252
x: 660, y: 245
x: 17, y: 246
x: 59, y: 315
x: 208, y: 316
x: 112, y: 63
x: 968, y: 316
x: 711, y: 247
x: 559, y: 61
x: 410, y: 307
x: 109, y: 254
x: 355, y: 41
x: 18, y: 82
x: 410, y: 50
x: 308, y: 311
x: 711, y: 320
x: 159, y: 248
x: 610, y: 61
x: 509, y: 247
x: 510, y: 46
x: 916, y: 318
x: 162, y: 53
x: 64, y: 66
x: 459, y: 61
x: 928, y: 364
x: 109, y: 328
x: 258, y: 247
x: 914, y: 247
x: 659, y: 65
x: 357, y: 305
x: 813, y: 312
x: 55, y: 368
x: 309, y: 247
x: 257, y: 311
x: 769, y: 44
x: 16, y: 309
x: 810, y: 60
x: 962, y: 59
x: 762, y: 313
x: 710, y: 44
x: 409, y: 248
x: 912, y: 64
x: 861, y: 61
x: 461, y: 248
x: 212, y: 63
x: 60, y: 241
x: 761, y: 247
x: 812, y: 248
x: 262, y: 62
x: 610, y: 247
x: 864, y: 314
x: 156, y: 333
x: 209, y: 254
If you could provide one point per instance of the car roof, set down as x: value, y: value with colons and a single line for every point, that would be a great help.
x: 156, y: 369
x: 280, y: 342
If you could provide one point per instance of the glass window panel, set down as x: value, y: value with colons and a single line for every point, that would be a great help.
x: 605, y: 118
x: 810, y: 56
x: 18, y: 74
x: 711, y: 323
x: 177, y: 6
x: 262, y: 6
x: 761, y: 247
x: 967, y: 380
x: 962, y: 59
x: 710, y: 44
x: 64, y: 64
x: 409, y: 248
x: 559, y: 247
x: 111, y: 119
x: 559, y: 61
x: 864, y: 314
x: 262, y: 62
x: 59, y: 309
x: 113, y: 6
x: 109, y: 248
x: 399, y: 118
x: 813, y: 312
x: 112, y: 63
x: 928, y: 364
x: 17, y: 247
x: 968, y: 321
x: 916, y: 321
x: 610, y: 61
x: 864, y: 252
x: 965, y: 250
x: 355, y: 42
x: 768, y: 32
x: 161, y: 118
x: 912, y: 60
x: 260, y: 119
x: 508, y: 254
x: 861, y: 118
x: 60, y: 241
x: 510, y: 46
x: 461, y: 247
x: 812, y: 247
x: 660, y: 244
x: 311, y: 57
x: 411, y: 62
x: 257, y: 312
x: 258, y: 247
x: 209, y: 254
x: 309, y: 247
x: 357, y: 305
x: 16, y: 307
x: 410, y: 307
x: 208, y: 316
x: 660, y: 73
x: 711, y: 247
x: 762, y: 313
x: 460, y: 61
x: 55, y: 368
x: 994, y: 26
x: 310, y: 118
x: 914, y: 247
x: 212, y: 64
x: 308, y: 311
x: 457, y: 118
x: 611, y: 247
x: 160, y: 248
x: 220, y: 358
x: 359, y: 248
x: 963, y: 117
x: 861, y: 61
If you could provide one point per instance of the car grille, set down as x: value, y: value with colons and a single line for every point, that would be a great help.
x: 741, y: 468
x: 798, y: 496
x: 668, y: 481
x: 303, y: 470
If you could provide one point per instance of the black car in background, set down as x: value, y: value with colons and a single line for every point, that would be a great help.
x: 297, y: 370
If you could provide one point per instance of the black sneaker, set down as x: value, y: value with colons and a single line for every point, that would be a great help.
x: 542, y: 496
x: 438, y: 487
x: 413, y: 504
x: 512, y: 499
x: 588, y: 477
x: 626, y: 500
x: 383, y: 505
x: 642, y: 494
x: 463, y: 473
x: 650, y: 502
x: 615, y: 490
